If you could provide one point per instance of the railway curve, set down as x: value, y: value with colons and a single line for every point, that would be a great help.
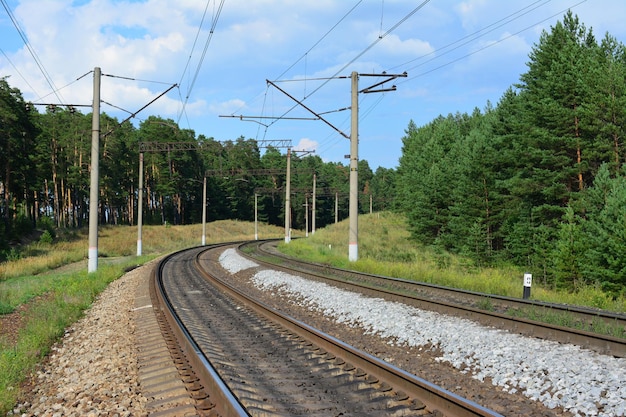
x: 275, y: 365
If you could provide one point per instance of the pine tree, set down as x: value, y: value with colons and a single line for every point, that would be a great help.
x: 605, y: 109
x: 554, y: 90
x: 17, y: 134
x: 426, y: 180
x: 475, y: 201
x: 604, y: 262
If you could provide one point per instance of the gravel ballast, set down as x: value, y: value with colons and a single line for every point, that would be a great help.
x: 93, y: 370
x: 577, y: 380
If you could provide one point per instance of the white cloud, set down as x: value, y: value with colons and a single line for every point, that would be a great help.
x: 144, y: 41
x: 255, y: 40
x: 306, y: 144
x: 393, y: 45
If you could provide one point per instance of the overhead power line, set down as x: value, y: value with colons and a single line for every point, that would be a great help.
x: 320, y: 39
x: 31, y: 50
x: 477, y: 34
x: 18, y: 71
x: 202, y: 57
x: 360, y: 54
x: 487, y: 46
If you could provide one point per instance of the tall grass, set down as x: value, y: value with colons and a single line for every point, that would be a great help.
x: 121, y: 241
x: 53, y: 280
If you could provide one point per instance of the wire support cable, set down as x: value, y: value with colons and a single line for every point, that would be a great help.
x: 369, y: 47
x: 31, y: 50
x: 488, y: 46
x: 473, y: 36
x: 320, y: 39
x: 19, y: 73
x: 203, y: 56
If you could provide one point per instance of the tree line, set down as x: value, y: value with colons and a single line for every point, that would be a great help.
x: 537, y: 180
x: 45, y: 157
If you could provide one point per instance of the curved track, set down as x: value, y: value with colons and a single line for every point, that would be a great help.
x: 456, y: 302
x: 249, y: 359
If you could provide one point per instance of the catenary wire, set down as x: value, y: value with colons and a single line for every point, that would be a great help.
x: 409, y: 79
x: 19, y: 73
x: 350, y: 11
x: 193, y: 46
x: 473, y: 36
x: 487, y: 46
x: 201, y: 61
x: 65, y: 86
x: 31, y: 50
x: 360, y: 54
x: 321, y: 39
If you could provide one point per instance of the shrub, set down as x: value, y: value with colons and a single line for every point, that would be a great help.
x: 46, y: 238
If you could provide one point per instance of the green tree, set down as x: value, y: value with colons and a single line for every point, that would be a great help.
x: 604, y: 262
x: 425, y: 178
x: 570, y: 251
x: 17, y: 134
x: 475, y: 201
x: 555, y: 90
x: 383, y: 188
x: 605, y: 109
x: 272, y: 192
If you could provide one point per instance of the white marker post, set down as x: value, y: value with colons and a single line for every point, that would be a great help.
x: 528, y: 281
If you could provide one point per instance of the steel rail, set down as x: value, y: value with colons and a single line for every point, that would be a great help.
x: 227, y: 405
x: 433, y: 396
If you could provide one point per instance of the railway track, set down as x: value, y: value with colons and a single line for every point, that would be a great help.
x: 460, y: 303
x: 245, y: 358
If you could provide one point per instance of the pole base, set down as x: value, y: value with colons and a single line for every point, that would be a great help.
x: 92, y: 265
x: 353, y: 252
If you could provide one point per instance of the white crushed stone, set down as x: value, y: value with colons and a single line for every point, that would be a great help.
x: 233, y: 263
x: 581, y: 381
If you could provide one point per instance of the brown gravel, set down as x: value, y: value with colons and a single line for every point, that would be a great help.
x: 10, y: 324
x: 93, y: 370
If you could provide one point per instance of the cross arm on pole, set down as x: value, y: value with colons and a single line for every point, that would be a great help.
x: 308, y: 109
x: 389, y: 77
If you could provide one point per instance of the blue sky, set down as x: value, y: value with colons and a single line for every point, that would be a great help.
x: 458, y: 55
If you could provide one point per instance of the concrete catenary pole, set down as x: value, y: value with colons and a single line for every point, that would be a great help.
x: 204, y: 210
x: 287, y: 199
x: 140, y: 205
x: 306, y: 215
x: 313, y: 205
x: 92, y: 264
x: 256, y: 217
x: 353, y: 238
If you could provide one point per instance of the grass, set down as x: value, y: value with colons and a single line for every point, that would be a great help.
x: 52, y: 281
